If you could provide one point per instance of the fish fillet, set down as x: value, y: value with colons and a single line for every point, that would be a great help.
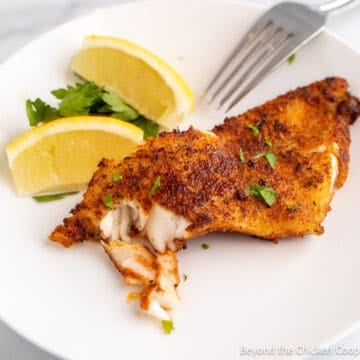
x: 186, y: 184
x: 158, y: 275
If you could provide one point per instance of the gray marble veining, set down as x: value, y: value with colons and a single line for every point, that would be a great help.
x: 23, y: 21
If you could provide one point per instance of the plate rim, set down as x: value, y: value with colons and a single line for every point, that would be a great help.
x: 355, y: 326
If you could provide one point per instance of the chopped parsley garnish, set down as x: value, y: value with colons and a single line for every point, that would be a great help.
x: 254, y: 129
x: 205, y: 246
x: 167, y: 326
x: 241, y: 155
x: 291, y: 59
x: 116, y: 177
x: 185, y: 277
x: 295, y: 207
x: 268, y: 143
x: 266, y: 194
x: 271, y: 158
x: 86, y: 98
x: 46, y: 198
x: 156, y: 185
x: 108, y: 201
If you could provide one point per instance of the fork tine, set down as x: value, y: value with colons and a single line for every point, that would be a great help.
x: 279, y: 32
x: 271, y: 65
x: 278, y: 41
x: 262, y: 38
x: 259, y: 26
x: 279, y: 57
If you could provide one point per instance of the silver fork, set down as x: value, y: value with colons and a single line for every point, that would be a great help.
x: 273, y: 38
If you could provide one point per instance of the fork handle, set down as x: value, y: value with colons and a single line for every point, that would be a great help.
x: 333, y: 5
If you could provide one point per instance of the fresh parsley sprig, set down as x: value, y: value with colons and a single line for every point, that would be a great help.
x: 52, y: 197
x: 38, y: 111
x: 119, y: 108
x: 87, y: 98
x: 147, y: 126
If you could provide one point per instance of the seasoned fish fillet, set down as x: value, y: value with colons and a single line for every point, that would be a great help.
x: 186, y: 184
x: 159, y: 275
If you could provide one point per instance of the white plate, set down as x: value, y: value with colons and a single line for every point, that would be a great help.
x: 242, y: 291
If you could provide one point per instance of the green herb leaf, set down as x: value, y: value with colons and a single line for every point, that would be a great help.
x: 147, y: 126
x: 60, y: 93
x: 296, y: 207
x: 268, y: 143
x: 156, y: 185
x: 101, y: 108
x: 271, y: 158
x: 185, y: 277
x: 266, y: 194
x: 108, y: 201
x: 291, y: 59
x: 116, y: 177
x: 120, y: 109
x: 38, y: 111
x: 254, y: 129
x: 87, y: 98
x: 205, y: 246
x: 167, y: 326
x: 47, y: 198
x: 78, y: 99
x: 75, y: 104
x: 241, y: 155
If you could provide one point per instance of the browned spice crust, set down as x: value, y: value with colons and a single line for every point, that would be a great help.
x: 203, y: 179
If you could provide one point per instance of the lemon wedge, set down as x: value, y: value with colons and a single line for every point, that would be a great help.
x: 63, y: 154
x: 137, y: 76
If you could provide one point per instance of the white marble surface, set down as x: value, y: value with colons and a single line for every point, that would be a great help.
x: 21, y: 21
